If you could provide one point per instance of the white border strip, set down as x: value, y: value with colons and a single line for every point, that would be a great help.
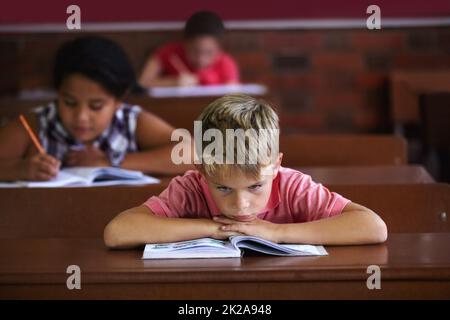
x: 231, y: 25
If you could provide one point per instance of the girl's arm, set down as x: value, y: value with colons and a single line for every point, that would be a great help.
x: 18, y: 161
x: 138, y: 226
x: 153, y: 137
x: 13, y: 145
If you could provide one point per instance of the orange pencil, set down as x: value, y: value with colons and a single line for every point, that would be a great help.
x: 31, y: 134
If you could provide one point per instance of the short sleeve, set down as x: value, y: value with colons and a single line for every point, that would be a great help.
x: 163, y: 55
x: 181, y: 199
x: 311, y: 201
x: 230, y: 70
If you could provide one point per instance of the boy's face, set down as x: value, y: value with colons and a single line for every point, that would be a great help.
x: 86, y: 109
x: 202, y: 51
x: 240, y: 197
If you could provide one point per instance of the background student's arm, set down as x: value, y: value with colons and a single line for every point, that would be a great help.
x: 152, y: 76
x: 153, y: 137
x: 355, y: 225
x: 138, y: 226
x: 18, y: 159
x: 231, y: 72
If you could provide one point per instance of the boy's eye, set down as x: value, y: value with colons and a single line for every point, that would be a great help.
x: 255, y: 187
x: 223, y: 189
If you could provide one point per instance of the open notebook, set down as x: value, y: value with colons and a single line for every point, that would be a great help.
x: 212, y: 248
x: 87, y: 177
x: 205, y: 91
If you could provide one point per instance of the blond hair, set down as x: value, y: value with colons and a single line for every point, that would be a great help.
x: 240, y: 113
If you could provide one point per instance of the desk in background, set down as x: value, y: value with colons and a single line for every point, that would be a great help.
x: 406, y: 86
x: 377, y: 174
x: 413, y: 266
x: 84, y: 212
x: 177, y: 109
x: 301, y: 150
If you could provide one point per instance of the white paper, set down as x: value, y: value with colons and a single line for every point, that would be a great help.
x: 85, y: 177
x: 204, y: 91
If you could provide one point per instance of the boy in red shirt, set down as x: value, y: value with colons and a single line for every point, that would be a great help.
x: 198, y: 60
x: 252, y: 194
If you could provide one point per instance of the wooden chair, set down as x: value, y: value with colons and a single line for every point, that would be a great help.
x: 435, y: 125
x: 342, y: 150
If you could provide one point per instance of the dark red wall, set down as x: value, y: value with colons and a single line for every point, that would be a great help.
x: 53, y: 11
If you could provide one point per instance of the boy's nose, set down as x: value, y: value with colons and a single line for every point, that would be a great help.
x: 241, y: 203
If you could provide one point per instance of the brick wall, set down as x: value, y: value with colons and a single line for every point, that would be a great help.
x: 326, y: 80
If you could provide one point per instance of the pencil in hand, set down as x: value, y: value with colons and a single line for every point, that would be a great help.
x: 31, y: 134
x: 178, y: 64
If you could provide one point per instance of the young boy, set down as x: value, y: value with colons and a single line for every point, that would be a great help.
x: 198, y: 60
x: 258, y: 198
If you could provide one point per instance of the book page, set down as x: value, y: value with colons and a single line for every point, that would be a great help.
x: 205, y: 91
x: 92, y: 173
x: 272, y: 248
x: 63, y: 179
x: 85, y: 177
x: 199, y: 248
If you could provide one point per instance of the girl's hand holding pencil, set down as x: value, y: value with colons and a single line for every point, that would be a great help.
x: 41, y: 166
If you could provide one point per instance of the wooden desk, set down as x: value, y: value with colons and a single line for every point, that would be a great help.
x: 382, y: 174
x: 413, y: 266
x: 84, y: 212
x: 178, y: 111
x: 67, y: 212
x: 181, y: 112
x: 407, y: 86
x: 301, y: 150
x: 404, y: 207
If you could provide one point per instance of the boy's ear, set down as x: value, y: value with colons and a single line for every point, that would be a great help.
x: 278, y: 161
x: 277, y: 164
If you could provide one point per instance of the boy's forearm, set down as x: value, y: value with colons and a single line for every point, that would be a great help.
x: 137, y: 226
x: 179, y: 229
x: 354, y: 227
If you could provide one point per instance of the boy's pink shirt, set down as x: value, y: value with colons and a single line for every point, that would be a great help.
x: 294, y: 198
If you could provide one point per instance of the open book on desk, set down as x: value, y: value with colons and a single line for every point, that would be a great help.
x: 207, y: 91
x: 212, y: 248
x: 88, y: 177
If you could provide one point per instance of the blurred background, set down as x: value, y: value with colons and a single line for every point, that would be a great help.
x: 322, y: 66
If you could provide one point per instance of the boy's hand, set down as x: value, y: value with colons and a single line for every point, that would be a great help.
x: 90, y: 156
x: 256, y: 227
x: 187, y: 79
x: 39, y: 167
x: 220, y: 234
